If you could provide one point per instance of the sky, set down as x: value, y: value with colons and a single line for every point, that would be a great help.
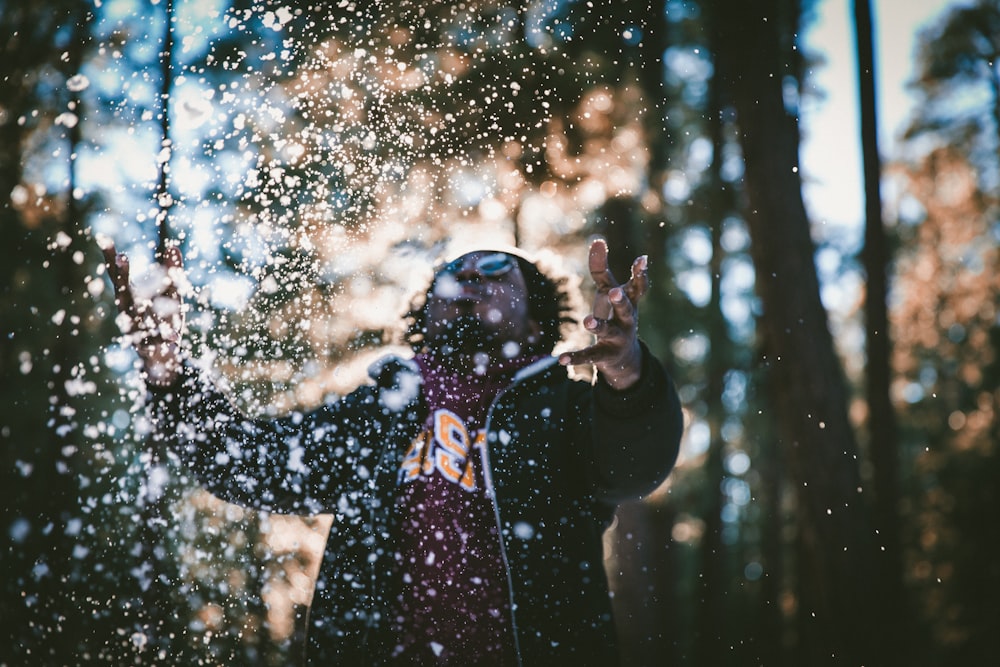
x: 831, y: 165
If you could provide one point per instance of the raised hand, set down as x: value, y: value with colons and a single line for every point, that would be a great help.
x: 153, y: 325
x: 614, y: 322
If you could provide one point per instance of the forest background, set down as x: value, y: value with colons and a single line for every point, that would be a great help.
x: 836, y: 499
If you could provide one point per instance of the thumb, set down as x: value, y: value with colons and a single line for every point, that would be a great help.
x: 172, y: 258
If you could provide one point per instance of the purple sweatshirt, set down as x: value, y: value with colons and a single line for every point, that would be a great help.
x: 454, y: 607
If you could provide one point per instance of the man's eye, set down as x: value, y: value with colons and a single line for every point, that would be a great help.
x: 495, y: 266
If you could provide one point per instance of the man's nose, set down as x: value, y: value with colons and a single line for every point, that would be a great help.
x: 469, y: 272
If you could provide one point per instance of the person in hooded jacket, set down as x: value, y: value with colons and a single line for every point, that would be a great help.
x: 470, y: 482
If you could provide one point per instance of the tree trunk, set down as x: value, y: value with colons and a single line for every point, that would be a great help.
x: 713, y: 634
x: 163, y: 196
x: 769, y: 628
x: 805, y: 377
x: 883, y: 432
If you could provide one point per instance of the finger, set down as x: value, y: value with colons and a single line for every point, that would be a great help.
x: 597, y: 262
x: 171, y: 258
x: 578, y: 357
x: 110, y: 262
x: 611, y: 334
x: 109, y: 252
x: 623, y: 308
x: 597, y: 353
x: 638, y: 284
x: 603, y: 278
x: 602, y: 307
x: 173, y: 264
x: 118, y: 271
x: 595, y: 325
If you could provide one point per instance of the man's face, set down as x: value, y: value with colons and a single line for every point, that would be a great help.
x: 479, y: 302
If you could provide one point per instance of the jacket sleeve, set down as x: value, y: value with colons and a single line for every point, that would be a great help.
x: 636, y: 433
x: 303, y: 463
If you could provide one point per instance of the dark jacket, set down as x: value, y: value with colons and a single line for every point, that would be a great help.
x: 561, y: 455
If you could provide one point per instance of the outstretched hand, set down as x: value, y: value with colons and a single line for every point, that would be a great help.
x: 153, y: 325
x: 614, y: 322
